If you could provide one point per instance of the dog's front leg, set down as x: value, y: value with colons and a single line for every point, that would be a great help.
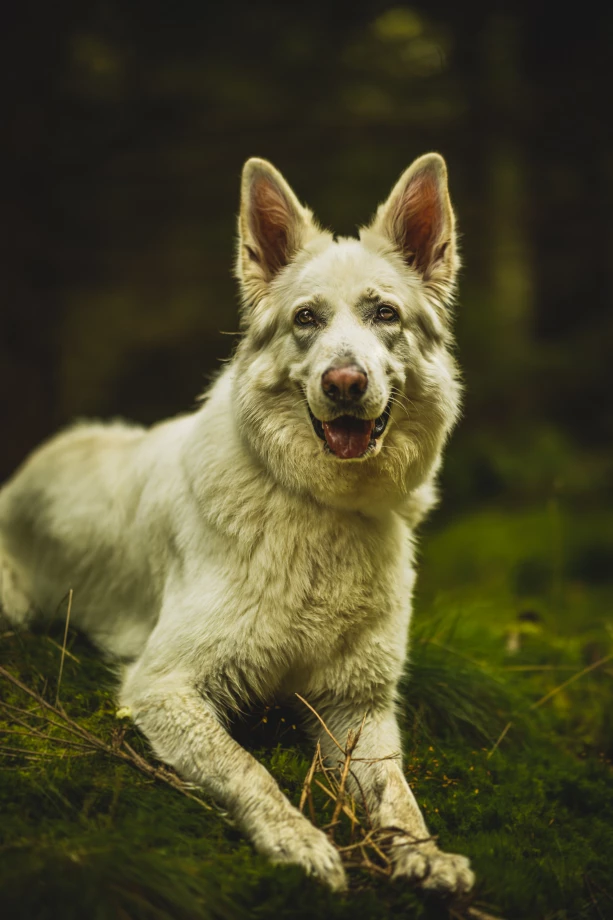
x: 185, y: 733
x: 376, y: 774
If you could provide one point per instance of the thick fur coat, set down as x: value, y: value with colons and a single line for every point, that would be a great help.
x: 262, y: 546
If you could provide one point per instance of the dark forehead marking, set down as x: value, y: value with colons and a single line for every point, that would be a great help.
x: 371, y: 295
x: 368, y: 298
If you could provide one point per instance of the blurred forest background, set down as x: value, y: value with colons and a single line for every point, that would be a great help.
x: 126, y: 128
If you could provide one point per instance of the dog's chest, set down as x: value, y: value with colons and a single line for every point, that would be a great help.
x: 317, y: 578
x: 300, y: 588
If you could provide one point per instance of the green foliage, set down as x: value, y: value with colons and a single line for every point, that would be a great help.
x: 509, y: 607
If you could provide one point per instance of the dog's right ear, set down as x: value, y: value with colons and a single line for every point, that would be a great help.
x: 273, y: 226
x: 418, y: 220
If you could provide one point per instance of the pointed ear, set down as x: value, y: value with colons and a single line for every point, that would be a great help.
x: 273, y: 226
x: 418, y: 220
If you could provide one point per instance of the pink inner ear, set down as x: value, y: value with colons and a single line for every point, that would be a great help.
x: 418, y: 221
x: 270, y: 224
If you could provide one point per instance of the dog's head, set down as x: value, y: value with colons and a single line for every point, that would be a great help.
x: 345, y: 385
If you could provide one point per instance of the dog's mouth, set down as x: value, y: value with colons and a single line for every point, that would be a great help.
x: 349, y: 437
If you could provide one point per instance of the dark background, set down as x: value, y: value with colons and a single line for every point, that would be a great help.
x: 125, y: 128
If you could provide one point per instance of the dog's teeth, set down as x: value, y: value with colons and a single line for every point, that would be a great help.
x: 380, y: 424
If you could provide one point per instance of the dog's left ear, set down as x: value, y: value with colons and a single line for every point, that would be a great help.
x: 418, y: 220
x: 273, y: 226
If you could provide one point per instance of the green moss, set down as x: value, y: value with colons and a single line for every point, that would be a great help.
x: 507, y: 609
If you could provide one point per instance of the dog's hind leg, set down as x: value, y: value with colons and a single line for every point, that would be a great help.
x: 185, y: 732
x: 15, y: 602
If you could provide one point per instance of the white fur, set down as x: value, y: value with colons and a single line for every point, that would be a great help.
x: 226, y: 557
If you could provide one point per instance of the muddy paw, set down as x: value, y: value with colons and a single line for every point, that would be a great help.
x: 445, y: 873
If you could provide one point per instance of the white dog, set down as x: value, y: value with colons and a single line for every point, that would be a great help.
x: 262, y: 545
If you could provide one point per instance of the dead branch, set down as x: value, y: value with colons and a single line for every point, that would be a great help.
x: 125, y: 753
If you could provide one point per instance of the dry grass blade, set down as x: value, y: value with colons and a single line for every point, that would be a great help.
x: 59, y: 647
x: 500, y: 738
x: 538, y: 667
x: 31, y: 714
x: 571, y: 680
x: 323, y: 724
x: 363, y: 797
x: 352, y: 742
x: 342, y: 807
x: 480, y: 914
x: 31, y: 732
x: 24, y: 752
x: 306, y: 793
x: 59, y: 678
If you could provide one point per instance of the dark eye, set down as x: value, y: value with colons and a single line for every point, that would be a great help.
x: 306, y: 318
x: 386, y: 314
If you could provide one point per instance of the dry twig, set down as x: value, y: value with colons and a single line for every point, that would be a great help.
x: 368, y: 851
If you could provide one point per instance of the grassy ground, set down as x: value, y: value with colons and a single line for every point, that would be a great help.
x: 511, y: 605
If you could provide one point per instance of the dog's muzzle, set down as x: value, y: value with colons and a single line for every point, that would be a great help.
x: 349, y: 437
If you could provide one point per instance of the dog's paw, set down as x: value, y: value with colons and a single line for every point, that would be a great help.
x: 301, y: 844
x: 445, y: 873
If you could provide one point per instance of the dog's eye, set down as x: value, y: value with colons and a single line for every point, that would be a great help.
x: 386, y: 314
x: 306, y: 318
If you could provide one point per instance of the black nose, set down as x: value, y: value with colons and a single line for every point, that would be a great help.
x: 344, y: 384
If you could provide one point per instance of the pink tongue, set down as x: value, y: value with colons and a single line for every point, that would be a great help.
x: 348, y: 437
